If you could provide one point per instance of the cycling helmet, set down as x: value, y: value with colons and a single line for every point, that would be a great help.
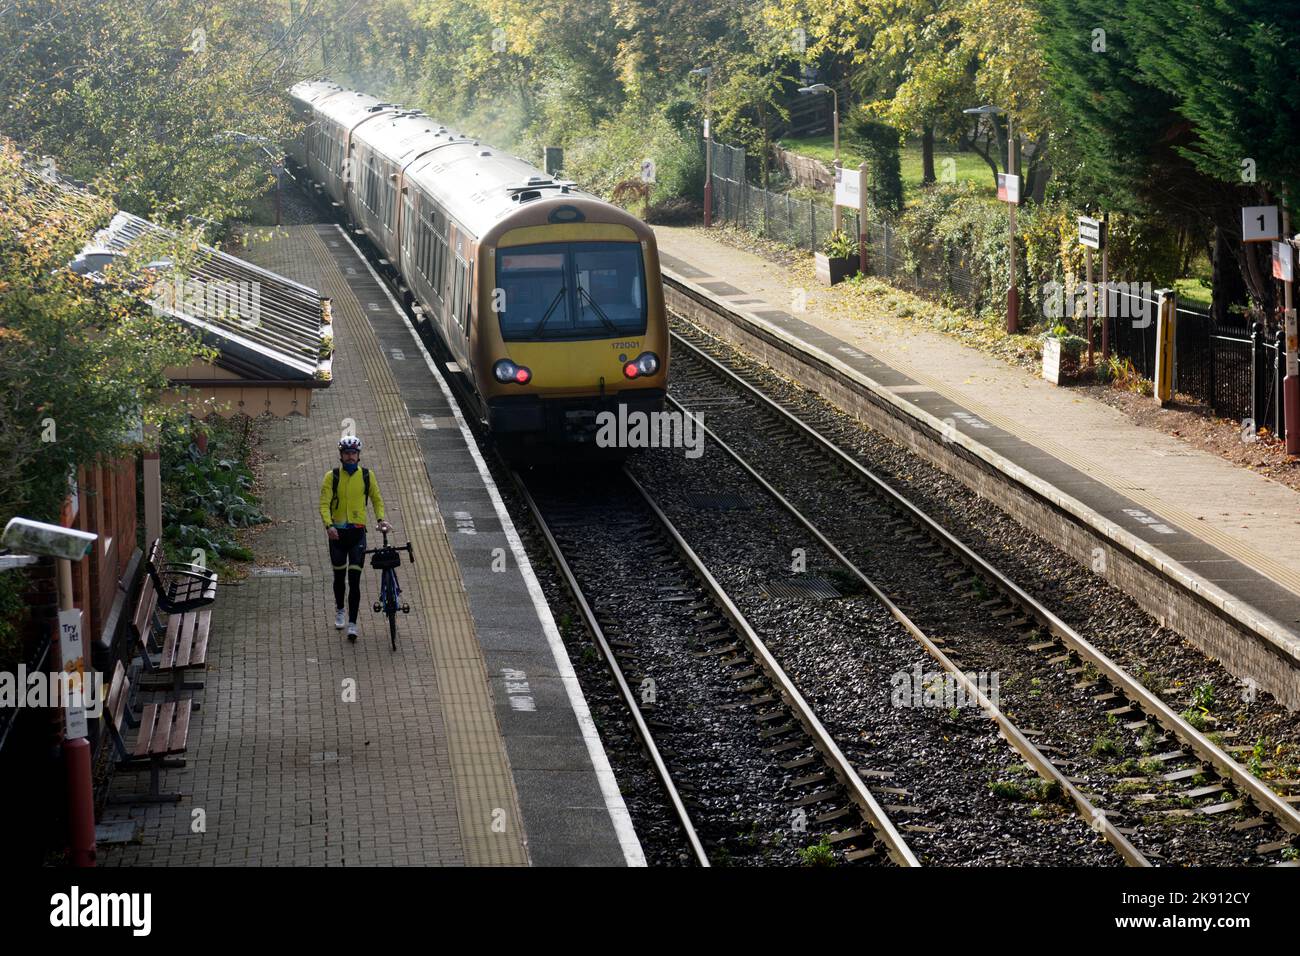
x: 350, y: 443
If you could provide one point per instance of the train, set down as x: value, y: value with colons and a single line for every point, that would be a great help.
x: 548, y: 299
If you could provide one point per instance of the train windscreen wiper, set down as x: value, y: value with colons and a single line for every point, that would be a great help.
x: 559, y: 297
x: 599, y: 312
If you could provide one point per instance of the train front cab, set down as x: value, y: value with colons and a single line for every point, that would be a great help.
x: 578, y: 307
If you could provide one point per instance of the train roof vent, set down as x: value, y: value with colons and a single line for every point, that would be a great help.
x: 526, y: 195
x: 485, y: 152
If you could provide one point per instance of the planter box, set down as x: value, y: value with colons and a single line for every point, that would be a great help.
x: 1059, y: 364
x: 831, y: 271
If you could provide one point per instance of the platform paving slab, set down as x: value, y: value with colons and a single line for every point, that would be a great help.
x: 418, y: 770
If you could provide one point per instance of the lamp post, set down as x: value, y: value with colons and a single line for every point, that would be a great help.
x: 707, y: 73
x: 277, y: 162
x: 1013, y: 290
x: 66, y: 545
x: 835, y: 133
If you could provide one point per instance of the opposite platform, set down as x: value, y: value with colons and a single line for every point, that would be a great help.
x: 1141, y: 491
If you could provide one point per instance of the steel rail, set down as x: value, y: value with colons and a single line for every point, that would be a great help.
x: 1091, y: 815
x: 875, y: 815
x: 624, y: 689
x: 1287, y: 816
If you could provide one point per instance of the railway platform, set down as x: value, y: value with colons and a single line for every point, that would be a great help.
x: 1221, y: 535
x: 472, y: 743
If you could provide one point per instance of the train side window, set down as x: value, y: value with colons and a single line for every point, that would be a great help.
x: 469, y: 298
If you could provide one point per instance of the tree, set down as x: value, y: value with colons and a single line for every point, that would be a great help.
x: 135, y: 95
x: 76, y: 360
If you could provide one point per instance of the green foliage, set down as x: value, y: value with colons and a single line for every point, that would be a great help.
x: 1032, y: 790
x: 882, y: 144
x: 1105, y: 746
x: 817, y: 854
x: 136, y: 94
x: 840, y: 245
x: 1194, y: 717
x: 1203, y: 696
x: 13, y: 613
x: 615, y: 151
x: 955, y: 227
x: 1257, y: 754
x: 207, y: 496
x: 78, y: 362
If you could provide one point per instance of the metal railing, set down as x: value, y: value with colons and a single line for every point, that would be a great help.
x: 1235, y: 369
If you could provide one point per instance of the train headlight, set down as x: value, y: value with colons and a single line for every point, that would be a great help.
x: 647, y: 363
x: 506, y: 372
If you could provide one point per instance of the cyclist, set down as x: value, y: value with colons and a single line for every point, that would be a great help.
x: 343, y: 495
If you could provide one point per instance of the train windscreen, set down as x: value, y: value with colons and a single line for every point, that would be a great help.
x: 557, y: 291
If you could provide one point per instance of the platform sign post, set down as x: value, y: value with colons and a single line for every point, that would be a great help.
x: 647, y: 181
x: 1166, y: 331
x: 862, y: 218
x: 1090, y: 239
x: 1291, y: 381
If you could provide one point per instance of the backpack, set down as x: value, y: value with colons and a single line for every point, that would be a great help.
x: 365, y: 482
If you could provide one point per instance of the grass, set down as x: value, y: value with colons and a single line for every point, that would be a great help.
x: 1193, y: 291
x: 818, y: 854
x: 965, y: 166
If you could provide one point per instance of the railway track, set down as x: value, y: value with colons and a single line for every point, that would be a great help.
x: 726, y: 728
x: 1180, y: 798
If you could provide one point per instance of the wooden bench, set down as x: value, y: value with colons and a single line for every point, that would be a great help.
x: 164, y: 730
x: 182, y: 593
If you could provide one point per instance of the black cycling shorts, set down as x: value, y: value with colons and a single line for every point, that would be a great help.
x: 349, y: 550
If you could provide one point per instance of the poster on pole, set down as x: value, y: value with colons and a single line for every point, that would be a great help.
x: 1259, y: 224
x: 848, y: 186
x: 72, y: 651
x: 1089, y: 232
x: 1283, y: 262
x: 647, y: 170
x: 1009, y: 187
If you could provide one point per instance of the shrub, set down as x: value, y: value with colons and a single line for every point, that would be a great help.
x: 881, y: 143
x: 614, y: 153
x: 206, y: 496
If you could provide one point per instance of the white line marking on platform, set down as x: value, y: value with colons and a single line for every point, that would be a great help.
x: 618, y: 813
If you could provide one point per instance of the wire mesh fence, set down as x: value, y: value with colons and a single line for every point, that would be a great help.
x: 1235, y: 369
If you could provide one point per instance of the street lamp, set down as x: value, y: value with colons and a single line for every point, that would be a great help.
x: 66, y: 545
x: 835, y: 128
x: 1013, y: 291
x: 277, y: 161
x: 707, y: 73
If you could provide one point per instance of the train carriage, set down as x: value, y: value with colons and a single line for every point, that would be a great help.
x: 548, y: 298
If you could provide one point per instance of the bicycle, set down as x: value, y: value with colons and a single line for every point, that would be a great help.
x: 386, y: 560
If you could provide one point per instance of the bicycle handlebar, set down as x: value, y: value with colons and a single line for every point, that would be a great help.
x: 387, y: 547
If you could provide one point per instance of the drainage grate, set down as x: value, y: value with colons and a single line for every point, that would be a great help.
x: 720, y: 501
x: 273, y: 572
x: 802, y: 588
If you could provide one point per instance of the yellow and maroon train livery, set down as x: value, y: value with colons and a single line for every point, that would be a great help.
x: 549, y: 299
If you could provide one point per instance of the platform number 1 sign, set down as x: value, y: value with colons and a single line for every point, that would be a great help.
x: 1259, y: 224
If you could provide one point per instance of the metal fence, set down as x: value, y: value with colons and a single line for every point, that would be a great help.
x: 779, y: 216
x: 807, y: 225
x: 1234, y: 369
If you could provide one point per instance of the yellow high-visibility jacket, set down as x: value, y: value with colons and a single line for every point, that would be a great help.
x: 350, y: 509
